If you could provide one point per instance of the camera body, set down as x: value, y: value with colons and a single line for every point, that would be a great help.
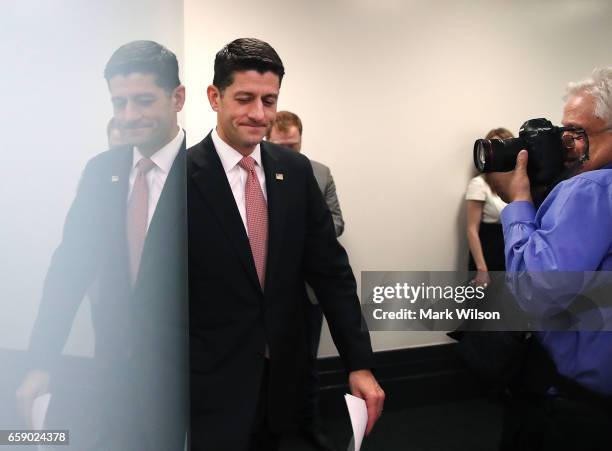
x: 543, y: 141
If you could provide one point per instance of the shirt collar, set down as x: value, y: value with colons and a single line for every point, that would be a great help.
x: 165, y: 156
x: 229, y: 156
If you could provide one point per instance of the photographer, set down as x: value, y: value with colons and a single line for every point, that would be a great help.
x: 571, y: 405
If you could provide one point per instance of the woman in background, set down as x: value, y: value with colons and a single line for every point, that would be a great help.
x: 484, y: 230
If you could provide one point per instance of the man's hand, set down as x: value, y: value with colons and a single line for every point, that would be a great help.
x: 35, y: 384
x: 364, y: 386
x: 512, y: 186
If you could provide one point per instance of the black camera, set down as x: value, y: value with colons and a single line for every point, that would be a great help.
x: 548, y: 147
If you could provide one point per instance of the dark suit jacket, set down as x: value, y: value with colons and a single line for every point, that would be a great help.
x: 232, y: 319
x: 141, y: 332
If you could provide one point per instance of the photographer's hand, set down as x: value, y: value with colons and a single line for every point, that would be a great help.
x: 512, y: 186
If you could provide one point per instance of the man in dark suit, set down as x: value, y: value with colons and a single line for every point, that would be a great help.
x: 286, y: 131
x: 259, y: 228
x: 125, y: 240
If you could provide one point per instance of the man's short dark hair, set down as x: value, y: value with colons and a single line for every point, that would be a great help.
x: 147, y: 57
x: 245, y: 54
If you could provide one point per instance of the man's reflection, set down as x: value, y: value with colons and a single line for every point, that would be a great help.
x: 124, y: 241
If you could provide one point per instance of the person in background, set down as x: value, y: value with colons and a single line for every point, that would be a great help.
x: 484, y: 231
x: 287, y: 131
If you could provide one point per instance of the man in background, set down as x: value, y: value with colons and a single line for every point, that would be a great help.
x: 565, y: 405
x: 286, y: 131
x: 125, y: 238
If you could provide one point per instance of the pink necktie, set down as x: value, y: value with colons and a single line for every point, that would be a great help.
x: 257, y: 218
x: 138, y: 215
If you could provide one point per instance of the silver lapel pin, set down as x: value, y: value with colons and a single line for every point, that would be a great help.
x: 279, y: 176
x: 114, y: 178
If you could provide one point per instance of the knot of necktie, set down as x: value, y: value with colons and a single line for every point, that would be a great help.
x: 145, y: 165
x: 247, y: 163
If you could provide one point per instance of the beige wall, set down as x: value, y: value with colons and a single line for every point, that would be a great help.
x: 392, y: 95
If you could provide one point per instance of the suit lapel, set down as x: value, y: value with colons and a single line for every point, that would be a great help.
x: 169, y: 214
x: 212, y: 184
x: 118, y: 179
x: 277, y: 205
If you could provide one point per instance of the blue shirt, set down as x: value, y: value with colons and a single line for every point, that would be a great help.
x: 571, y: 231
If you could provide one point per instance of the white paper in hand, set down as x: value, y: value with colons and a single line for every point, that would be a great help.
x: 39, y: 411
x: 359, y: 420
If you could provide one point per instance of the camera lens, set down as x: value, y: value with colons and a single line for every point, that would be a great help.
x: 497, y: 155
x: 482, y: 150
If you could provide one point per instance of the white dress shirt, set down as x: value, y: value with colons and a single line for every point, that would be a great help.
x: 478, y: 189
x: 237, y: 176
x: 156, y: 177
